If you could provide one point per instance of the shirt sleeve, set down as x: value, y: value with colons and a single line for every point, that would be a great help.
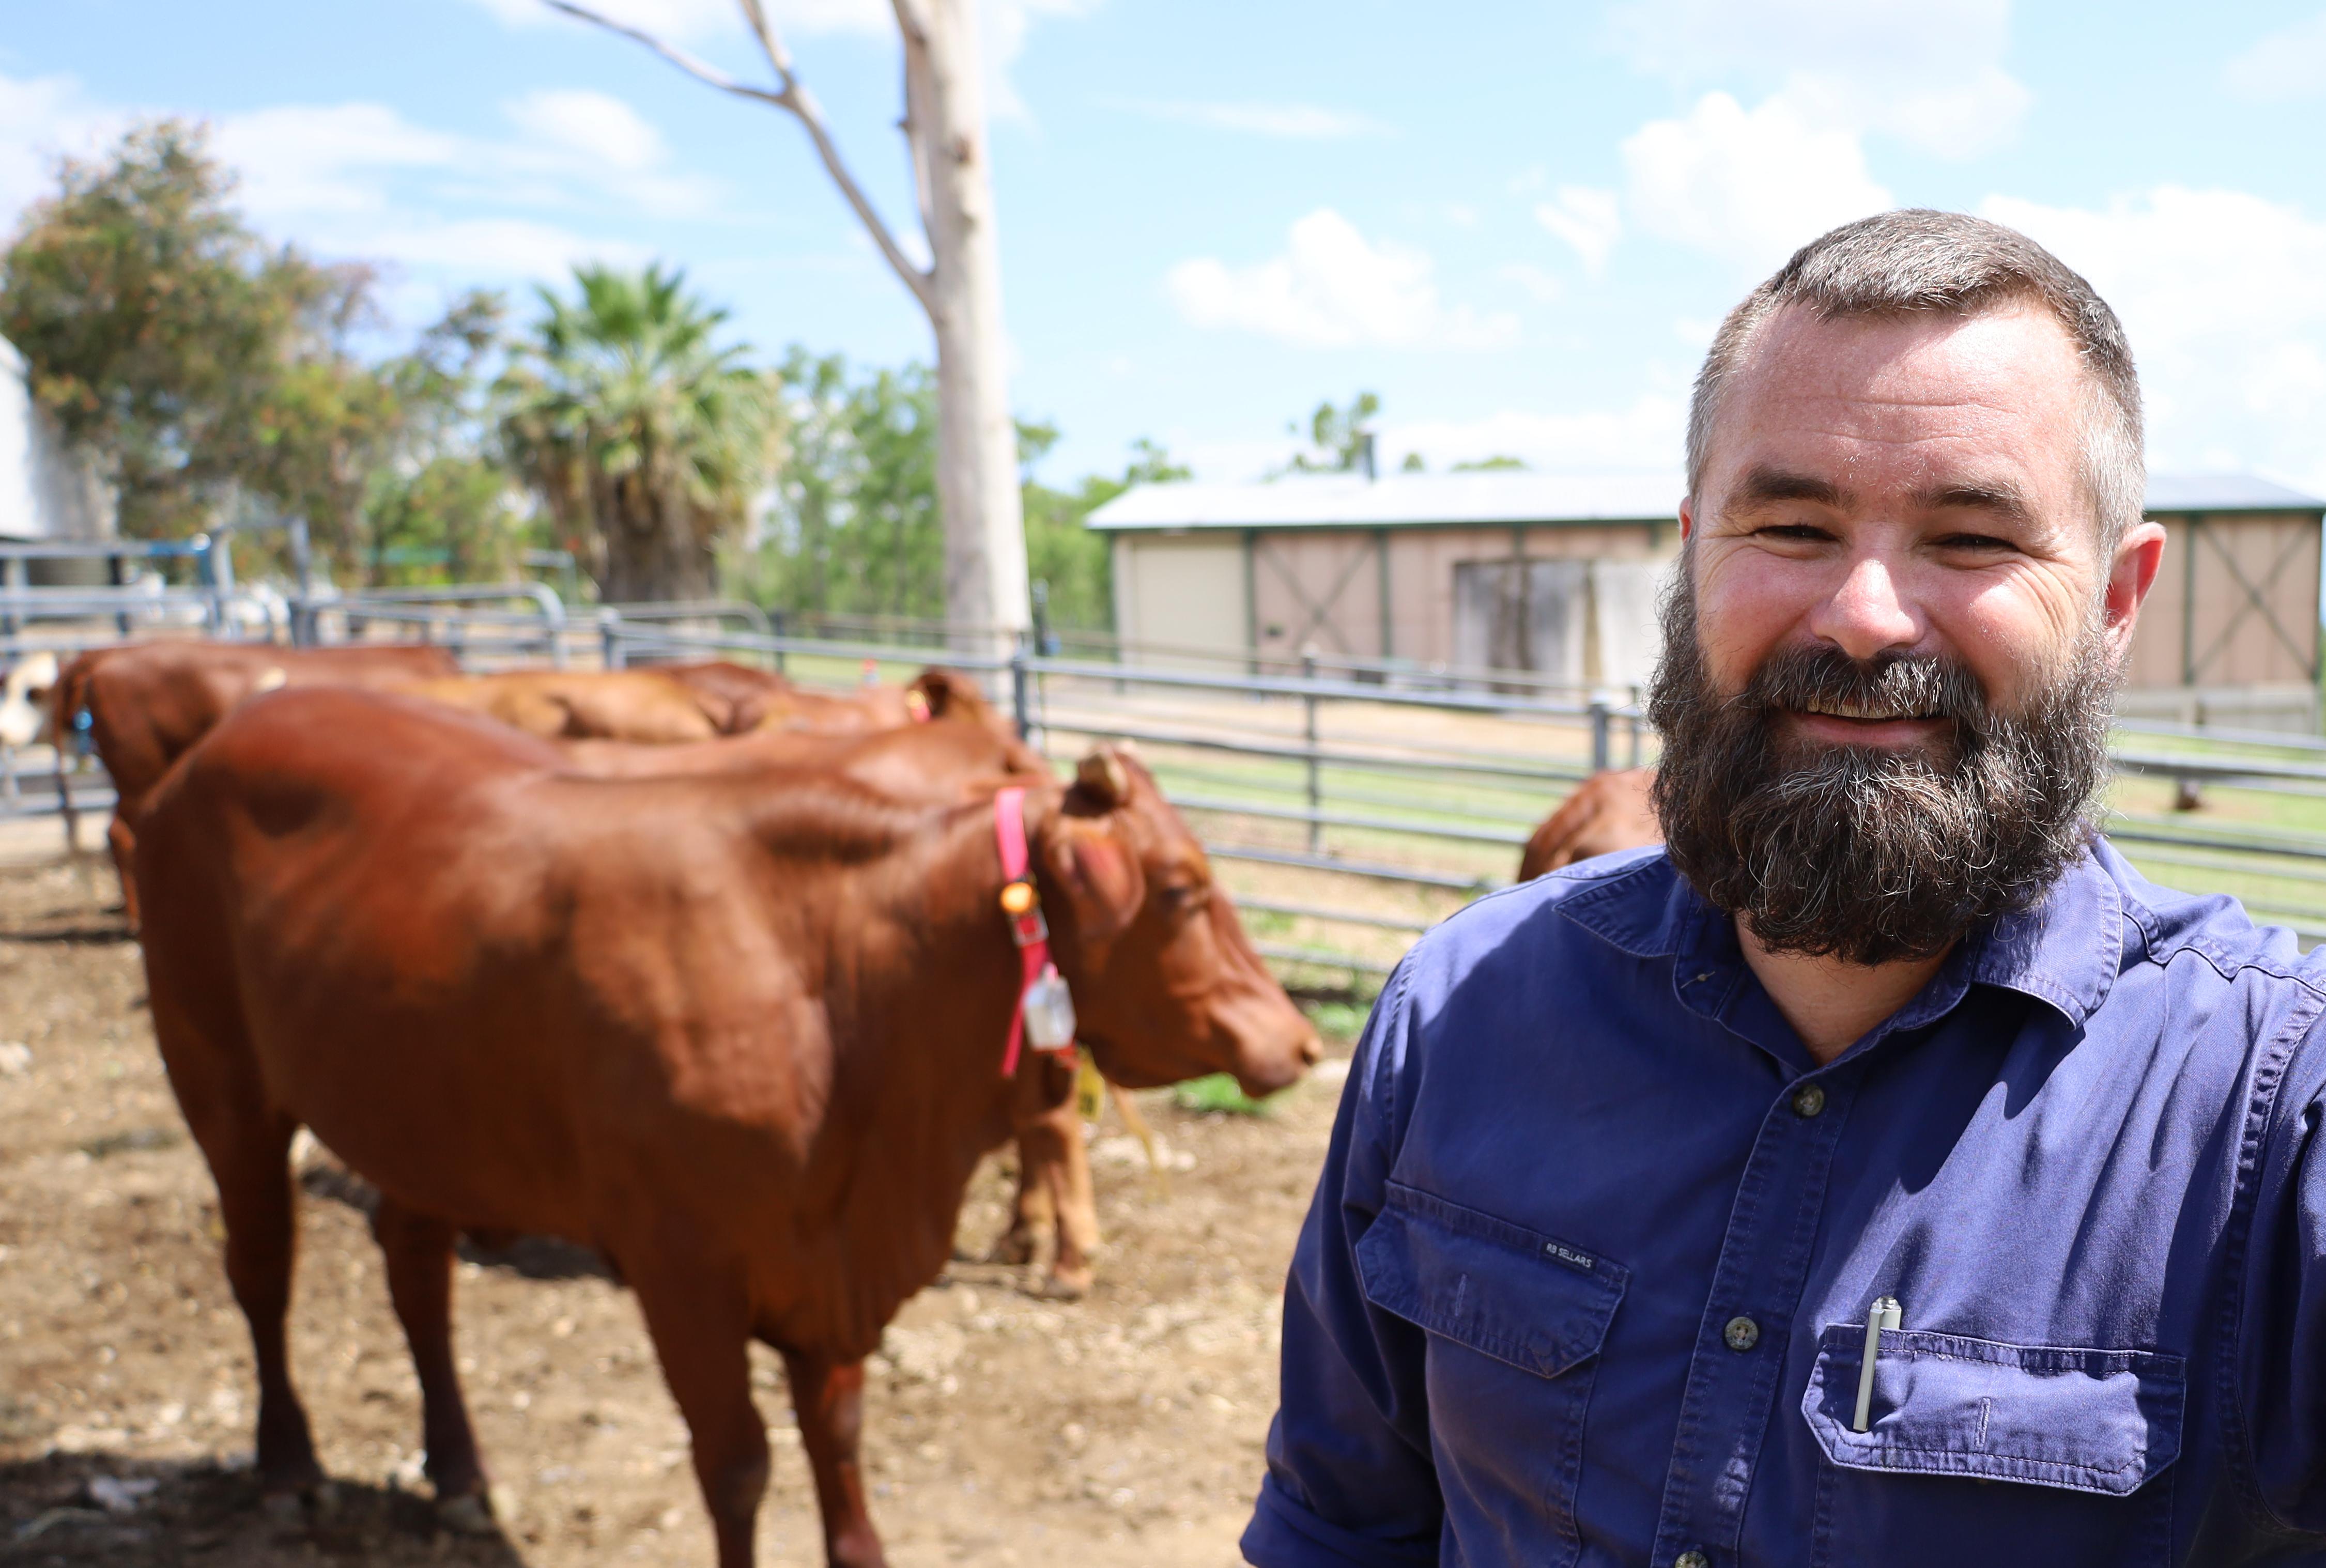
x: 1350, y: 1477
x: 2283, y: 1356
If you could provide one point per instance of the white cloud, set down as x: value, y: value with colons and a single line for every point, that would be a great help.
x: 1004, y: 25
x: 1644, y: 437
x: 591, y: 125
x: 1544, y: 286
x: 2223, y: 294
x: 496, y: 248
x: 1932, y: 75
x: 299, y: 161
x: 42, y: 118
x: 1291, y: 122
x: 1749, y: 185
x: 2290, y: 63
x: 362, y: 179
x: 1585, y: 218
x: 1333, y: 288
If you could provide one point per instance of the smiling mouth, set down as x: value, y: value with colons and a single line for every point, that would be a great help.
x: 1866, y: 712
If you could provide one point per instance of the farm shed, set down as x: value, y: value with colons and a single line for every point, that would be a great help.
x: 1555, y: 574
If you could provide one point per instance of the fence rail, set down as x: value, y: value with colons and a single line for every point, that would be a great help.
x: 1323, y: 785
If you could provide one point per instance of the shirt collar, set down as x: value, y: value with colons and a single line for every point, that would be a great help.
x: 2065, y: 950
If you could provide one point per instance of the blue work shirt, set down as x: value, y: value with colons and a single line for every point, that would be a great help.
x: 1587, y: 1273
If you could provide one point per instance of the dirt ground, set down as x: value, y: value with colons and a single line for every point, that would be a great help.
x: 1001, y: 1428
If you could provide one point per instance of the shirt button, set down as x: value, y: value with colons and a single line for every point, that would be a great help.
x: 1741, y: 1333
x: 1692, y: 1558
x: 1809, y: 1100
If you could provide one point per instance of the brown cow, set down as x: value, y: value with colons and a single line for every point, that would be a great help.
x: 1607, y: 812
x: 149, y: 703
x: 742, y: 1034
x: 646, y: 706
x: 1057, y: 1202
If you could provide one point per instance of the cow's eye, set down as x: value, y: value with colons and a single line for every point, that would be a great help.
x: 1183, y: 898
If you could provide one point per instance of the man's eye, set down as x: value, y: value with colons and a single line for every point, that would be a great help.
x: 1977, y: 543
x: 1795, y: 532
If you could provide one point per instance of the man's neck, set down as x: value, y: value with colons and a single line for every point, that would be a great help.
x: 1830, y: 1003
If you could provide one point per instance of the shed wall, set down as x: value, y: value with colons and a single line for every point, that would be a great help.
x: 2235, y: 603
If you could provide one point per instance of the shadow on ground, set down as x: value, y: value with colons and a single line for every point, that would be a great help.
x: 81, y: 1510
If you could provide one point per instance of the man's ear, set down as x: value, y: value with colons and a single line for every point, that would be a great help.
x: 2132, y: 571
x: 1098, y: 872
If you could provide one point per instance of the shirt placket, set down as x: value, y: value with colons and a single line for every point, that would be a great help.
x: 1739, y: 1360
x: 1739, y: 1357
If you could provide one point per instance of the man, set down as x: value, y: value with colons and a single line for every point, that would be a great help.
x: 1629, y: 1155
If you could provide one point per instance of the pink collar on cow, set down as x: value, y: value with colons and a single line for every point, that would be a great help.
x: 1028, y: 929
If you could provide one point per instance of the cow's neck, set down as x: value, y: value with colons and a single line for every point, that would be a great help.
x: 919, y: 1002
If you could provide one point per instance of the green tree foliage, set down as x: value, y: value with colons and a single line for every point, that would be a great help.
x: 645, y: 438
x: 1489, y: 465
x: 200, y: 366
x: 156, y: 327
x: 854, y: 532
x: 855, y: 529
x: 1337, y: 437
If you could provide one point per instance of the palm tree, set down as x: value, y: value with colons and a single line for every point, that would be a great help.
x: 646, y: 440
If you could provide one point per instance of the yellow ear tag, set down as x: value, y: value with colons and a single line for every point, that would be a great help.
x: 916, y: 705
x: 1017, y: 898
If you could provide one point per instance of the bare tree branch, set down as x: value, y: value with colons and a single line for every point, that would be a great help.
x: 791, y: 95
x: 802, y: 103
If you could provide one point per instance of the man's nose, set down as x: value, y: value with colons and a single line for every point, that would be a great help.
x: 1868, y: 612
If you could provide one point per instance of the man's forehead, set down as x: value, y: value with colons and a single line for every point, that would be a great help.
x: 2002, y: 355
x: 1917, y: 394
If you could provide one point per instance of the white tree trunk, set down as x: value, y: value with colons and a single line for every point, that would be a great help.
x: 977, y: 438
x: 944, y: 124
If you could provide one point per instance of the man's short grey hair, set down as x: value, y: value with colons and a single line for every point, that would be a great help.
x: 1915, y: 260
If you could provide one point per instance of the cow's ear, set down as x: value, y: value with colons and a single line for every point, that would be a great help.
x: 1102, y: 780
x: 1099, y: 873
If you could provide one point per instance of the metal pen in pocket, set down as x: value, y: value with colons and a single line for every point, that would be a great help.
x: 1882, y: 1314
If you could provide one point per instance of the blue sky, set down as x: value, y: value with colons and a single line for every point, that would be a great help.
x: 1518, y: 223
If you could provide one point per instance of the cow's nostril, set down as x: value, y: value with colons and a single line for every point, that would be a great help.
x: 1312, y: 1049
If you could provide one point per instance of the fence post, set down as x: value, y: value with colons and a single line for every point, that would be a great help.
x: 13, y: 580
x: 1017, y: 686
x: 1599, y: 738
x: 611, y: 653
x: 303, y: 571
x: 1315, y: 783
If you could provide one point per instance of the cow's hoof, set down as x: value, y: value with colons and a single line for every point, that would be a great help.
x: 1013, y: 1249
x: 1065, y: 1283
x: 470, y: 1513
x: 292, y: 1503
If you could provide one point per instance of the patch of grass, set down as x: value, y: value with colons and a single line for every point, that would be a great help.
x: 1341, y: 1022
x: 1218, y: 1095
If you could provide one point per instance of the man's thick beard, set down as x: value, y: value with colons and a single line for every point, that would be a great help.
x: 1862, y: 854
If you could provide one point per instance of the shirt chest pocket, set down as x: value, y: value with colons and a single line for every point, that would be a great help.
x: 2077, y: 1440
x: 1515, y: 1320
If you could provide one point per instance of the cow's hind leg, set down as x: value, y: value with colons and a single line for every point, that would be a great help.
x: 123, y: 842
x: 828, y: 1397
x: 418, y: 1252
x: 249, y: 1155
x: 702, y: 1333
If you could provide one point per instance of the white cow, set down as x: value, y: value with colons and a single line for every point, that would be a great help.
x: 25, y: 699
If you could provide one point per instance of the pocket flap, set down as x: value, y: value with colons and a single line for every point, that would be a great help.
x: 1516, y: 1295
x: 2091, y: 1421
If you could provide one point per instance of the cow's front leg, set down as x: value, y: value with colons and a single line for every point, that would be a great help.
x: 828, y: 1397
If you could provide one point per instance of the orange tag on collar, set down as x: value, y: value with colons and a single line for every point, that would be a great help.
x: 1017, y: 898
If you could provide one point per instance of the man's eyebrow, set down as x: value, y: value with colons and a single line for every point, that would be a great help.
x: 1763, y: 484
x: 1998, y: 497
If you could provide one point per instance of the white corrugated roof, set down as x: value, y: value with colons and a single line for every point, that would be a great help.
x: 1504, y: 497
